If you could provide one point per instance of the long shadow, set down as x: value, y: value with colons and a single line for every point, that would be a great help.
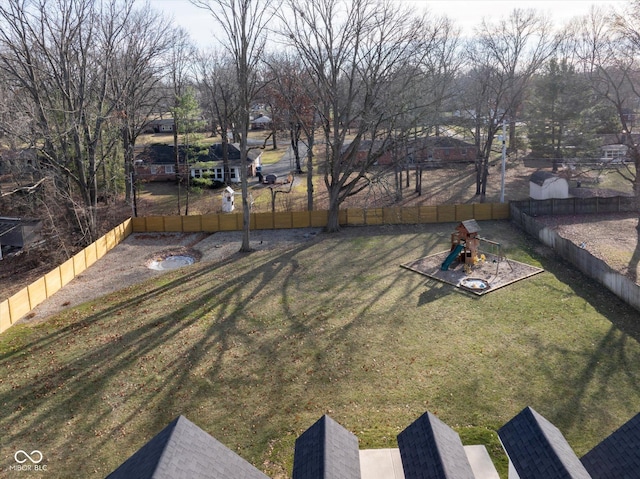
x: 635, y: 258
x: 613, y: 357
x: 129, y: 336
x: 207, y: 350
x: 86, y: 380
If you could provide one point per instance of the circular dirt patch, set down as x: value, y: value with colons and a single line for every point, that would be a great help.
x: 173, y: 259
x: 171, y: 262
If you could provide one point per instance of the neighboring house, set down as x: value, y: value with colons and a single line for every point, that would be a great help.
x: 419, y: 151
x: 544, y: 185
x: 161, y: 125
x: 367, y: 147
x: 156, y: 163
x: 262, y: 122
x: 614, y: 148
x: 441, y: 148
x: 614, y: 153
x: 215, y: 169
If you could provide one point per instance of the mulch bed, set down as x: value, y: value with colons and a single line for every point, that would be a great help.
x: 495, y: 272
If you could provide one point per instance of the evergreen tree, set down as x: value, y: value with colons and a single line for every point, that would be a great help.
x: 558, y: 114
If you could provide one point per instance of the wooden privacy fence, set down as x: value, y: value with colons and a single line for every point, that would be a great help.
x: 21, y: 303
x: 306, y: 219
x: 26, y: 299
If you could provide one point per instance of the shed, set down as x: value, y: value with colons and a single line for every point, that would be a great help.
x: 544, y: 185
x: 19, y: 232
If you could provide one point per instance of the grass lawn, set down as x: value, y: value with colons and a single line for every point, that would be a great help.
x: 255, y: 349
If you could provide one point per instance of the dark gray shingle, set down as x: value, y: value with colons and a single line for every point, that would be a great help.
x: 184, y: 451
x: 618, y: 455
x: 538, y: 449
x: 540, y: 176
x: 326, y: 451
x: 432, y: 450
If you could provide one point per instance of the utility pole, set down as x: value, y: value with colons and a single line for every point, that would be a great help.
x: 504, y: 158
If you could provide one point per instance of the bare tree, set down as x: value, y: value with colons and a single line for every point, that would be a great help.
x: 138, y: 68
x: 181, y: 57
x: 219, y: 93
x: 244, y: 25
x: 356, y: 55
x: 502, y: 58
x: 58, y: 56
x: 290, y: 91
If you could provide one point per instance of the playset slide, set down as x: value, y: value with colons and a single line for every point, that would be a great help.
x: 451, y: 258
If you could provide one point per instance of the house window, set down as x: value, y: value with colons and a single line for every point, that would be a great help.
x: 218, y: 173
x: 169, y: 169
x: 154, y: 170
x: 233, y: 173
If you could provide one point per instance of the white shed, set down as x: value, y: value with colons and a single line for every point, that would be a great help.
x: 544, y: 185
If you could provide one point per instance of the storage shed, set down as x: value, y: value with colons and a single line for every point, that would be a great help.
x: 19, y: 232
x: 544, y: 185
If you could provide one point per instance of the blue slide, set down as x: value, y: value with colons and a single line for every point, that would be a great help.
x: 451, y: 258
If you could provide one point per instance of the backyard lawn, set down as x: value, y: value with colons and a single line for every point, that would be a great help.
x: 255, y: 349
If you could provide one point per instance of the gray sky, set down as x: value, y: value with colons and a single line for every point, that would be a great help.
x: 466, y: 13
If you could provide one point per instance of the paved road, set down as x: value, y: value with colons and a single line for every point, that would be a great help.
x: 287, y: 163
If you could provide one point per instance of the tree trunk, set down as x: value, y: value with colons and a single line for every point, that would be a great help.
x: 478, y: 175
x: 333, y: 219
x: 274, y: 133
x: 128, y: 164
x: 310, y: 172
x: 485, y: 174
x: 176, y: 155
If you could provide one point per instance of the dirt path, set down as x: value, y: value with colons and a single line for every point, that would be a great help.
x: 127, y: 264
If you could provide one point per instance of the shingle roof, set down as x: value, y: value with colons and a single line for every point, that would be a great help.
x: 216, y: 152
x: 432, y: 450
x: 159, y: 154
x: 539, y: 177
x: 184, y: 451
x: 538, y: 449
x: 618, y: 455
x: 326, y: 451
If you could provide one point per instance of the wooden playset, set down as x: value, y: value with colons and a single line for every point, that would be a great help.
x: 465, y: 243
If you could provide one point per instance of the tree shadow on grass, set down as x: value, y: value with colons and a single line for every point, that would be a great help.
x: 91, y: 388
x: 635, y: 258
x: 589, y: 379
